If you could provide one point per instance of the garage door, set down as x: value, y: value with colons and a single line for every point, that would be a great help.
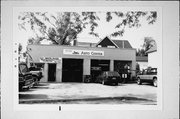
x: 72, y: 70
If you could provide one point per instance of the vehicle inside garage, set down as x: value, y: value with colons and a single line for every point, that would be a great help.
x: 97, y: 66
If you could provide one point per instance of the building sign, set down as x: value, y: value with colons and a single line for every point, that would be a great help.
x: 50, y: 59
x: 83, y: 52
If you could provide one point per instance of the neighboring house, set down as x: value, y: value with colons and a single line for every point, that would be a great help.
x: 82, y: 44
x: 142, y: 61
x: 85, y: 44
x: 152, y: 56
x: 107, y: 42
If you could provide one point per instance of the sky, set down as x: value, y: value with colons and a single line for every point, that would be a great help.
x: 134, y: 35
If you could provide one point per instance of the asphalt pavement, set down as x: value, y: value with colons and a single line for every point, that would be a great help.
x: 90, y: 93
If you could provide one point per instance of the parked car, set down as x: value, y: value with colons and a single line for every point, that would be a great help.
x: 148, y: 75
x: 25, y: 77
x: 36, y: 74
x: 109, y: 77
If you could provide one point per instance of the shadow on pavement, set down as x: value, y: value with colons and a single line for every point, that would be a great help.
x: 43, y: 84
x: 32, y: 96
x: 102, y: 100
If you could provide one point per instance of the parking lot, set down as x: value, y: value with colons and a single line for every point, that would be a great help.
x: 91, y: 93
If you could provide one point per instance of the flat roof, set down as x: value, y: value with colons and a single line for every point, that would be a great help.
x: 84, y: 47
x: 39, y: 51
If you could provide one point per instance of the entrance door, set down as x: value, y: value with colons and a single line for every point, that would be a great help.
x: 52, y: 72
x: 72, y: 70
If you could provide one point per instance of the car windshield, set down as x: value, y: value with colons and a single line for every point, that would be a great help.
x: 154, y: 70
x: 113, y: 74
x: 23, y: 68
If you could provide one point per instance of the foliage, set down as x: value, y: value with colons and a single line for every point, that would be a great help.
x: 63, y: 27
x: 19, y: 48
x: 148, y: 43
x: 141, y: 52
x: 137, y: 68
x: 131, y: 19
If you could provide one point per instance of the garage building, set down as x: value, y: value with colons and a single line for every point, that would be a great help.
x: 72, y: 63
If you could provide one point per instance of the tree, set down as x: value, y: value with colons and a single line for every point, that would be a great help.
x: 60, y: 29
x: 63, y: 27
x: 19, y: 51
x: 149, y: 42
x: 137, y: 68
x: 19, y: 48
x: 141, y: 52
x: 130, y: 19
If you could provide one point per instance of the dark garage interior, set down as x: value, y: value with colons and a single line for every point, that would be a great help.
x: 72, y: 70
x: 120, y: 66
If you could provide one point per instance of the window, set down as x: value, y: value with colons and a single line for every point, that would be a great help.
x: 144, y: 71
x: 110, y: 46
x: 37, y: 65
x: 23, y: 68
x: 153, y: 71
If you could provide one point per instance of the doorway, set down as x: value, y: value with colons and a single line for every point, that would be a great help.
x: 51, y: 72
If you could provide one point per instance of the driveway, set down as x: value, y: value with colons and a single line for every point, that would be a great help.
x: 88, y: 93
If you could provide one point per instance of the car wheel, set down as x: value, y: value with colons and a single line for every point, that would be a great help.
x: 155, y: 82
x: 35, y: 80
x: 139, y: 81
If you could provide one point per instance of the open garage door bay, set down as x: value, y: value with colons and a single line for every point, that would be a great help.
x: 72, y: 70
